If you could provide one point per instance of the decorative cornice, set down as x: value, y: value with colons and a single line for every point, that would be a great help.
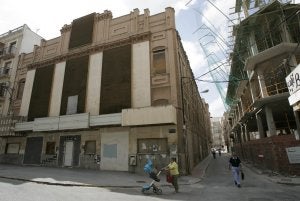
x: 87, y: 50
x: 65, y: 28
x: 102, y: 16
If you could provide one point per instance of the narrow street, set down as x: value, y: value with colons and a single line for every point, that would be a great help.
x: 217, y: 185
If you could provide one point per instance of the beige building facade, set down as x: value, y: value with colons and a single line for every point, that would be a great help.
x: 108, y: 94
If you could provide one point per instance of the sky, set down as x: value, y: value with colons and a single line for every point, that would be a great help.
x: 194, y: 20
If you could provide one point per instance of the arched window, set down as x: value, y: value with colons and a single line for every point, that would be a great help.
x: 21, y: 86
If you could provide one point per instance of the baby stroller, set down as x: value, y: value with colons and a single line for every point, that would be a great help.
x: 148, y: 168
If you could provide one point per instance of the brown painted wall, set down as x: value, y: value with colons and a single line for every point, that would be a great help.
x: 41, y: 90
x: 116, y: 80
x: 274, y: 154
x: 75, y: 83
x: 82, y: 31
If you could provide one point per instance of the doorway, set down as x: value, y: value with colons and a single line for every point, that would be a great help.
x: 68, y: 153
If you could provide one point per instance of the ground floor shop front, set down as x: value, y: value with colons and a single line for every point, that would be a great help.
x: 113, y: 148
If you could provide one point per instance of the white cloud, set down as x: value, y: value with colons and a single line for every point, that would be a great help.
x: 216, y: 107
x: 49, y: 17
x: 195, y: 56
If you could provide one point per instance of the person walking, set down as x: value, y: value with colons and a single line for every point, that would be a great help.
x: 173, y: 168
x: 213, y: 151
x: 236, y: 167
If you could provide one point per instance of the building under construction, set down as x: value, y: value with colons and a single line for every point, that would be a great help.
x: 260, y: 124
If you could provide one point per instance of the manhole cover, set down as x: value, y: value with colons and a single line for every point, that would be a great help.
x: 140, y: 182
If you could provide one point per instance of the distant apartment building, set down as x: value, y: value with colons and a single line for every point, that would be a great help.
x: 217, y: 135
x: 108, y: 94
x: 12, y: 43
x: 261, y: 125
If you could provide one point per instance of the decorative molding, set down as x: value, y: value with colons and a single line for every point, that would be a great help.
x: 87, y: 50
x: 65, y: 28
x: 102, y: 16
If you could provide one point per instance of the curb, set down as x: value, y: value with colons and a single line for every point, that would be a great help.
x: 85, y: 185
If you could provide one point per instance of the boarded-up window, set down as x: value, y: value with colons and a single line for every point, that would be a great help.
x: 90, y: 147
x: 159, y: 61
x: 50, y: 148
x: 110, y: 150
x: 153, y: 145
x: 82, y: 31
x: 72, y: 104
x: 12, y: 148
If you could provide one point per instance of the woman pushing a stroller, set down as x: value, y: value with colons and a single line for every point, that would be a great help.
x: 172, y: 169
x: 148, y: 168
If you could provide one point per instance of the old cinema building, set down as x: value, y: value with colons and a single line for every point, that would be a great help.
x: 106, y: 95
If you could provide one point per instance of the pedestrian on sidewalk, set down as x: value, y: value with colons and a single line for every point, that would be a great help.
x: 213, y: 151
x: 236, y: 167
x: 173, y: 168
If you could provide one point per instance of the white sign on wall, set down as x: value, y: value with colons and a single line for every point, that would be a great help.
x: 293, y: 154
x: 293, y: 80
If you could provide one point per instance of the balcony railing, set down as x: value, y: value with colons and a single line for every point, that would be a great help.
x: 7, y: 52
x: 7, y: 125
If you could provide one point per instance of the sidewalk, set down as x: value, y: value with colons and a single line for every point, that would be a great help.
x: 96, y: 178
x: 92, y: 178
x: 274, y: 176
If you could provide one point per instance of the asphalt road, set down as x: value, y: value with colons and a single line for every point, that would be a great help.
x: 217, y: 185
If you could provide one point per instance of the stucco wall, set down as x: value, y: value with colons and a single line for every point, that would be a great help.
x: 141, y: 95
x: 109, y: 141
x: 94, y: 84
x: 57, y: 86
x: 27, y: 93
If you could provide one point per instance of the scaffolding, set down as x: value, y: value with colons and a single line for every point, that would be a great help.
x: 258, y: 26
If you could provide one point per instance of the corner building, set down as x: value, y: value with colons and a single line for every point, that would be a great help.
x: 107, y: 94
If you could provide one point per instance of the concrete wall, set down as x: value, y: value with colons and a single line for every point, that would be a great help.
x: 29, y: 40
x: 141, y: 94
x: 94, y: 84
x: 27, y: 93
x: 111, y: 139
x: 149, y: 115
x: 57, y: 86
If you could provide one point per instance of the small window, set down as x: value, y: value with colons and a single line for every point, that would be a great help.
x: 50, y: 148
x: 90, y: 147
x: 6, y: 68
x: 159, y: 61
x: 12, y: 47
x: 12, y: 148
x: 21, y: 88
x: 3, y: 88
